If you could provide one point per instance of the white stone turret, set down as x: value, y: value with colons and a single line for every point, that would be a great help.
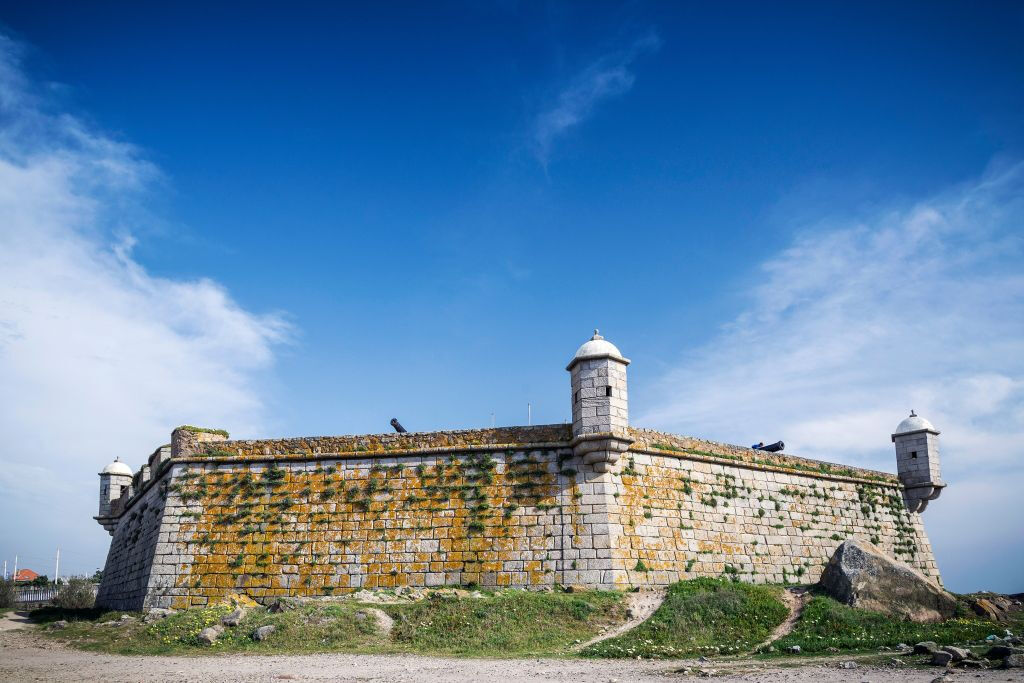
x: 917, y: 461
x: 114, y: 478
x: 600, y: 402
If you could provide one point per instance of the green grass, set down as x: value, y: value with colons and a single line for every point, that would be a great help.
x: 826, y: 624
x: 701, y: 616
x: 507, y: 624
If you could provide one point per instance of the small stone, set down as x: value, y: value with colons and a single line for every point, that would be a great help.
x: 1014, y: 661
x: 926, y: 647
x: 59, y: 625
x: 234, y: 618
x: 959, y: 653
x: 209, y: 635
x: 793, y: 649
x: 263, y: 632
x: 941, y: 658
x: 848, y: 665
x: 941, y: 679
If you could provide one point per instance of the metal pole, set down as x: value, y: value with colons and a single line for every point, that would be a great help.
x: 15, y: 568
x: 529, y: 414
x: 56, y: 570
x: 5, y: 570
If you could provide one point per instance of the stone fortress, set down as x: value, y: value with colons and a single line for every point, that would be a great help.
x: 595, y: 504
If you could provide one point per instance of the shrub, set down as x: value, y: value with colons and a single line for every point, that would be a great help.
x: 77, y: 593
x: 6, y: 593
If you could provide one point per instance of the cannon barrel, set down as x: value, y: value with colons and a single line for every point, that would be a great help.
x: 772, y: 447
x: 397, y: 425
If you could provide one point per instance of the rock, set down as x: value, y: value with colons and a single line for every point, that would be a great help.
x: 985, y: 608
x: 926, y: 647
x: 234, y: 618
x: 209, y: 635
x: 959, y: 654
x: 263, y: 632
x: 127, y: 619
x: 1001, y: 651
x: 793, y: 649
x: 286, y: 604
x: 848, y: 665
x: 860, y: 575
x: 156, y: 614
x: 1014, y: 661
x: 941, y: 658
x: 59, y: 625
x: 941, y: 679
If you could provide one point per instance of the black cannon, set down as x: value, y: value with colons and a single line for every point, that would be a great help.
x: 397, y: 425
x: 771, y: 448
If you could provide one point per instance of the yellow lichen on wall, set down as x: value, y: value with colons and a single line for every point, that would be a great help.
x: 315, y: 528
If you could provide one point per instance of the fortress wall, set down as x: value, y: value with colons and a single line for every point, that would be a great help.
x: 300, y: 526
x: 500, y: 507
x: 126, y: 573
x: 678, y: 515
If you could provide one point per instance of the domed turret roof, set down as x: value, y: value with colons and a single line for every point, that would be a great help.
x: 597, y: 347
x: 914, y: 423
x: 117, y: 467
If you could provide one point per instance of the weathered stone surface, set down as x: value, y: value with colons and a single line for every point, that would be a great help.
x: 860, y: 575
x: 941, y: 658
x: 209, y: 635
x: 59, y: 625
x: 926, y: 647
x: 1015, y: 661
x: 263, y: 632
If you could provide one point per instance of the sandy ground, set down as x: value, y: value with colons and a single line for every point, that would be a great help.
x: 28, y: 656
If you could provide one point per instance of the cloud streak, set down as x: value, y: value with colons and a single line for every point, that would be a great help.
x: 919, y: 306
x: 98, y: 357
x: 608, y: 77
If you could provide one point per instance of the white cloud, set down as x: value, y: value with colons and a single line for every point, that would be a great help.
x: 607, y: 77
x: 98, y: 357
x: 856, y: 323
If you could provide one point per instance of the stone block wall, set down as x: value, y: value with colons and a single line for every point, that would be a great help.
x: 677, y: 517
x: 133, y: 548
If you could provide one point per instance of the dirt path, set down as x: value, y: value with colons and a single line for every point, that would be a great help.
x: 640, y: 606
x: 29, y: 656
x: 10, y: 621
x: 795, y: 599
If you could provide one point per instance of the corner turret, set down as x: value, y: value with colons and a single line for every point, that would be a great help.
x: 600, y: 402
x: 917, y: 461
x: 114, y: 479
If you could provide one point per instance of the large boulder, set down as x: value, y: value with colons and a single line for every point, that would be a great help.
x: 861, y: 575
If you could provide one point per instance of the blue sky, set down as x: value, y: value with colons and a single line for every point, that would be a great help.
x: 799, y: 221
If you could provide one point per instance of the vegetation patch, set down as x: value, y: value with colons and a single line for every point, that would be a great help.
x: 205, y: 430
x: 509, y: 624
x: 701, y: 616
x: 826, y: 624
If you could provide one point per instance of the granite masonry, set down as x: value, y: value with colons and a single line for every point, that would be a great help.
x: 596, y: 504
